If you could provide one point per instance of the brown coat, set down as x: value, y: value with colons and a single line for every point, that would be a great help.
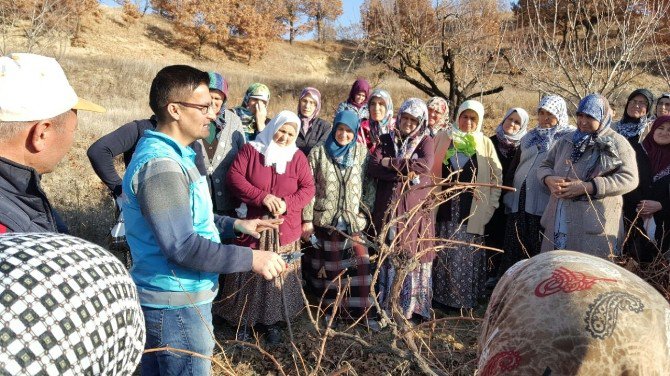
x: 395, y: 196
x: 595, y: 225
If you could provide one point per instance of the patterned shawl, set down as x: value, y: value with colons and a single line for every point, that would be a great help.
x: 544, y: 138
x: 597, y: 107
x: 255, y: 90
x: 659, y: 156
x: 343, y: 154
x: 274, y: 154
x: 569, y: 313
x: 316, y: 95
x: 406, y: 144
x: 508, y: 142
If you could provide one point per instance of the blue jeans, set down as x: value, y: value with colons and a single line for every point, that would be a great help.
x: 181, y: 328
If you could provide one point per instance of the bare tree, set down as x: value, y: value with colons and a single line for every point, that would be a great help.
x: 290, y: 13
x: 573, y: 48
x: 321, y: 11
x: 445, y: 48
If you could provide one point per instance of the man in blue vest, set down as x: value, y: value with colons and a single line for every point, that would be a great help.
x: 173, y: 236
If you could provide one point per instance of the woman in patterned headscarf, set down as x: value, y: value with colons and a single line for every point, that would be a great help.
x: 438, y: 115
x: 586, y: 172
x: 401, y: 164
x: 313, y: 129
x: 460, y: 271
x: 635, y: 123
x: 523, y: 232
x: 381, y: 120
x: 358, y: 99
x: 567, y: 313
x: 254, y: 110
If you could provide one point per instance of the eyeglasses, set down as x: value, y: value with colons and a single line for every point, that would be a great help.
x: 204, y: 108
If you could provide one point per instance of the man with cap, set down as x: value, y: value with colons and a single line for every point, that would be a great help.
x: 173, y: 235
x: 225, y: 139
x: 38, y: 118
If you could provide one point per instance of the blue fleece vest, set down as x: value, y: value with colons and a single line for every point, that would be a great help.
x: 157, y: 278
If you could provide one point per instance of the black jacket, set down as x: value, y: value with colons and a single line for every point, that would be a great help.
x: 316, y: 133
x: 123, y: 140
x: 24, y: 207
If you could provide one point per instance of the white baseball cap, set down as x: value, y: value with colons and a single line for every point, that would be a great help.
x: 34, y: 87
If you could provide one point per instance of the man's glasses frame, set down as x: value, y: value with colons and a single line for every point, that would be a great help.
x: 204, y: 109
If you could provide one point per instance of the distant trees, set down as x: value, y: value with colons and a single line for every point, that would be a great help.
x: 42, y: 23
x: 321, y: 11
x: 575, y: 47
x: 445, y: 48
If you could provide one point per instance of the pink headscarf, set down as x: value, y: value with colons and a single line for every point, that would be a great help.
x: 316, y: 95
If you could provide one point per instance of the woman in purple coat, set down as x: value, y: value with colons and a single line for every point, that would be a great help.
x: 401, y: 164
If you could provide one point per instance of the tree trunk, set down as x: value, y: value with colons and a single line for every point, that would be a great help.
x: 291, y: 32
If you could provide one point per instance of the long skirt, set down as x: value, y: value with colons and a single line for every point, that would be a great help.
x: 335, y: 254
x: 459, y: 273
x: 248, y: 299
x: 523, y: 235
x: 416, y: 293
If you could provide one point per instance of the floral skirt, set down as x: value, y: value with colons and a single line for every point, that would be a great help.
x: 417, y: 289
x: 459, y: 272
x: 248, y: 299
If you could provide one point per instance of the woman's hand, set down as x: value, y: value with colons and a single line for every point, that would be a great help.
x: 307, y: 230
x: 648, y: 207
x: 573, y: 188
x: 386, y: 162
x: 261, y: 114
x: 552, y: 183
x: 273, y: 203
x: 282, y: 208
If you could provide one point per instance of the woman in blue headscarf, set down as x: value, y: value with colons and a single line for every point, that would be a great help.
x: 337, y: 216
x: 587, y: 171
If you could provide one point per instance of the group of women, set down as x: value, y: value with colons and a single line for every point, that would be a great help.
x: 374, y: 174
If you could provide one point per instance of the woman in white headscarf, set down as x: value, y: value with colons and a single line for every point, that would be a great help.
x: 459, y: 271
x: 273, y: 179
x: 525, y: 205
x: 506, y: 140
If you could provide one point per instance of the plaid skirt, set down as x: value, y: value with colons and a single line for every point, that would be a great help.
x: 338, y: 253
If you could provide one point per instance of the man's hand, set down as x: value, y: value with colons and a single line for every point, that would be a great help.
x: 254, y: 227
x: 268, y: 264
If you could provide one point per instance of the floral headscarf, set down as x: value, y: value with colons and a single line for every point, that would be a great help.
x: 544, y: 138
x: 508, y: 142
x: 440, y: 105
x: 316, y: 95
x: 659, y: 156
x: 406, y: 144
x: 384, y: 126
x: 264, y: 143
x: 464, y: 142
x: 342, y: 154
x: 597, y: 107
